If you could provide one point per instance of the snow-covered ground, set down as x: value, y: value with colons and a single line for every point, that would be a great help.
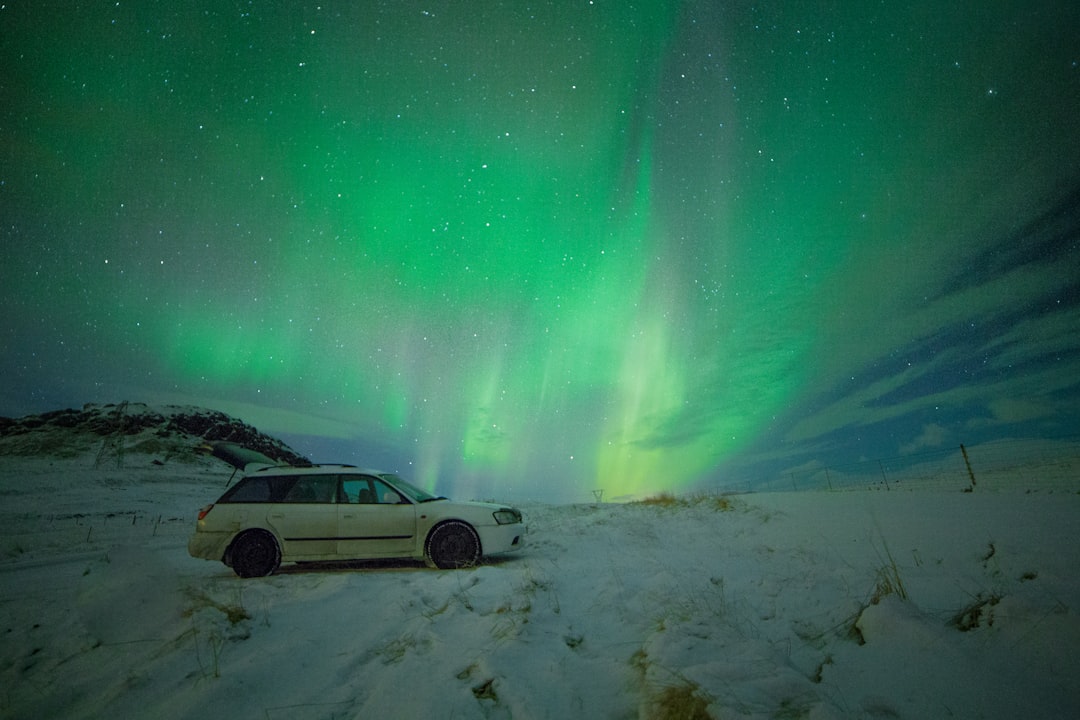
x: 868, y: 604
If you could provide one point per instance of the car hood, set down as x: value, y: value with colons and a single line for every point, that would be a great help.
x: 466, y: 509
x: 466, y: 503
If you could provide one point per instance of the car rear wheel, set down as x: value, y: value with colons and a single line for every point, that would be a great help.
x: 254, y: 554
x: 453, y: 544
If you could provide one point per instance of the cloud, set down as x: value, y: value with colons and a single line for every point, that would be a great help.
x: 1008, y: 411
x: 933, y: 436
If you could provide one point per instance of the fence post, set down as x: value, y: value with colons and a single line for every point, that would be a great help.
x: 963, y: 451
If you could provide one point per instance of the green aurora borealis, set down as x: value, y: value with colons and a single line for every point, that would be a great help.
x: 539, y: 249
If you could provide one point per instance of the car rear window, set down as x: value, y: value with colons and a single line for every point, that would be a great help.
x: 259, y: 489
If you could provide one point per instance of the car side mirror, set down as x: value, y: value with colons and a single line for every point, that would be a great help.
x: 391, y: 498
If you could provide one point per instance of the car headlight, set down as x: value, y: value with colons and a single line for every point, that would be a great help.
x: 507, y: 516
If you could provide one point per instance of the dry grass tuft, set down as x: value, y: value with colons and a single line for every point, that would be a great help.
x: 717, y: 502
x: 235, y: 612
x: 978, y: 613
x: 720, y: 503
x: 888, y: 582
x: 680, y: 702
x: 664, y: 499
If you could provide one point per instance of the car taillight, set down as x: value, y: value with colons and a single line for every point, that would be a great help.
x: 205, y: 511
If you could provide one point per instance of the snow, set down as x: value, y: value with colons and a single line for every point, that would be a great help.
x: 929, y: 603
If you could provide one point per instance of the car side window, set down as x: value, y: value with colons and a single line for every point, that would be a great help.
x: 366, y: 490
x: 312, y: 489
x: 385, y: 494
x: 357, y: 489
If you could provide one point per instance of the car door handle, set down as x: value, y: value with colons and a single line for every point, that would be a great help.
x: 348, y: 517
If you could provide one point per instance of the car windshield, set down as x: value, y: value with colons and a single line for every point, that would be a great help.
x: 414, y: 493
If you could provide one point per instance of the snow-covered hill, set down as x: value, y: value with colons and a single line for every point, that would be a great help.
x: 800, y: 605
x: 116, y: 432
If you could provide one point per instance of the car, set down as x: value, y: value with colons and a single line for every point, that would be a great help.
x: 285, y: 513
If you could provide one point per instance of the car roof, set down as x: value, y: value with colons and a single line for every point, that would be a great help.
x: 252, y: 462
x: 316, y: 470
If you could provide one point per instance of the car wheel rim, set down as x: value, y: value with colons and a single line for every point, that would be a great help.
x: 255, y: 557
x: 454, y: 547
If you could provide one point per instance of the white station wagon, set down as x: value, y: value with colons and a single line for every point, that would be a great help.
x: 277, y: 514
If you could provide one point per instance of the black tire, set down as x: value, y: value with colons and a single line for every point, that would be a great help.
x: 452, y: 545
x: 254, y: 554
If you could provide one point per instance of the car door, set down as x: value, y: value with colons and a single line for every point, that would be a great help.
x: 306, y: 518
x: 374, y: 520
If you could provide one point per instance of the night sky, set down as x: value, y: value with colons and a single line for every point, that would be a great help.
x: 535, y: 249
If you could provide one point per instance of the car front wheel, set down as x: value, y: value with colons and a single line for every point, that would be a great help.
x: 254, y: 554
x: 453, y: 544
